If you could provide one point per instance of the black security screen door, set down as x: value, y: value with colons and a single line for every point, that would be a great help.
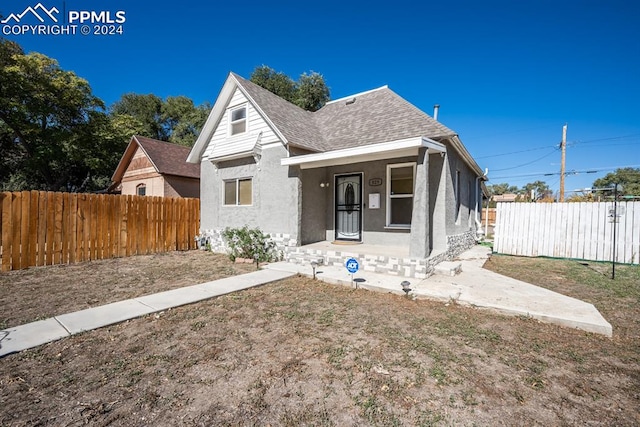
x: 349, y: 207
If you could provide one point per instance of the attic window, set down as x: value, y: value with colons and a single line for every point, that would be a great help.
x: 141, y: 189
x: 238, y: 120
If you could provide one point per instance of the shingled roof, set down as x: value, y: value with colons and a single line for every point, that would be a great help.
x: 372, y: 117
x: 297, y: 125
x: 167, y: 158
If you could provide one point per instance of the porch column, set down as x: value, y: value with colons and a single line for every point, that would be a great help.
x: 419, y: 240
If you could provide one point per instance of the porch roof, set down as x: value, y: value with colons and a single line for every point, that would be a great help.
x: 367, y: 153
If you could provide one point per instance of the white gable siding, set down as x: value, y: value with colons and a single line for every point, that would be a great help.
x: 222, y: 144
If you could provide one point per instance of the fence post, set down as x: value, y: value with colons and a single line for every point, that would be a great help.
x: 7, y: 226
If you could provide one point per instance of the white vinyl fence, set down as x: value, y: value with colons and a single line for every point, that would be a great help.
x: 569, y: 230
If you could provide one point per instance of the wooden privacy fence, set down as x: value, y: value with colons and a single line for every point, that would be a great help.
x: 569, y: 230
x: 46, y: 228
x: 490, y: 215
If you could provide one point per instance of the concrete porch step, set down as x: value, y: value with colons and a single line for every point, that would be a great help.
x: 448, y: 268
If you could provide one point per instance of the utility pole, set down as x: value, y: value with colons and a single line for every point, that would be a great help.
x: 563, y: 147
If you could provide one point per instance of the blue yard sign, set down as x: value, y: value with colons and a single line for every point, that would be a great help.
x: 352, y: 265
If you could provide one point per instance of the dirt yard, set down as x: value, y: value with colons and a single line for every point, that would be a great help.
x: 303, y: 353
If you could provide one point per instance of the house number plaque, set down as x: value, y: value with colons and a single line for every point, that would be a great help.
x: 374, y: 182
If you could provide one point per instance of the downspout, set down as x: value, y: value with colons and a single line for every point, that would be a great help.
x: 479, y: 230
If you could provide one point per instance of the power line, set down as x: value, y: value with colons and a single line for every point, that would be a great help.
x: 516, y: 152
x: 571, y: 172
x: 528, y: 163
x: 577, y: 145
x: 569, y: 144
x: 613, y: 138
x: 494, y: 135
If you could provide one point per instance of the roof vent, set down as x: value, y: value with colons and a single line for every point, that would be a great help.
x: 435, y: 112
x: 350, y: 101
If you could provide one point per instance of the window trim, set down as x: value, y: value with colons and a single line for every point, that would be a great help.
x: 232, y: 122
x: 138, y: 187
x: 237, y: 194
x: 390, y: 196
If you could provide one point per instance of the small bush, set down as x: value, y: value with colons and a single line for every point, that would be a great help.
x: 248, y: 242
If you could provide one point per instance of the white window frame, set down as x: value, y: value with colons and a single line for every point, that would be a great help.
x: 138, y: 187
x: 237, y: 184
x: 233, y: 122
x: 398, y: 196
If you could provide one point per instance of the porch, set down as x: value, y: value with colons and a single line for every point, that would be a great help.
x: 383, y: 259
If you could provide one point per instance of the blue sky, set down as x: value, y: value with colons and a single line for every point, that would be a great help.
x: 507, y: 74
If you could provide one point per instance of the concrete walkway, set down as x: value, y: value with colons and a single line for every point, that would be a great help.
x: 473, y: 286
x: 43, y: 331
x: 476, y: 287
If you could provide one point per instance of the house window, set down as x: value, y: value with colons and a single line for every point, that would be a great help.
x: 141, y: 189
x: 238, y: 192
x: 400, y: 184
x: 238, y: 120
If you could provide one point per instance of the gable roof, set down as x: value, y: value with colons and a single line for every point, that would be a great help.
x: 375, y: 116
x: 166, y: 158
x: 372, y: 117
x: 294, y: 123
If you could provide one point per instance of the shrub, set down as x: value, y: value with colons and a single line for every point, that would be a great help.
x: 248, y: 242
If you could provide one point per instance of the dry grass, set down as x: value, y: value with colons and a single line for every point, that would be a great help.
x: 43, y: 292
x: 300, y: 352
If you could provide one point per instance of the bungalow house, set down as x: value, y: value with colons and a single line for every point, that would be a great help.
x: 368, y: 169
x: 150, y: 167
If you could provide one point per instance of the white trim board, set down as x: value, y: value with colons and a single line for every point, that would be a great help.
x: 384, y: 150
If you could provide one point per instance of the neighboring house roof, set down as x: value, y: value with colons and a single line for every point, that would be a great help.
x: 373, y: 117
x: 166, y: 158
x: 508, y: 197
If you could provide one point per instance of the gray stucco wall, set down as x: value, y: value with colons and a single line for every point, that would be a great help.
x: 373, y: 220
x: 275, y: 205
x: 462, y: 220
x: 438, y: 201
x: 289, y: 201
x: 314, y: 205
x: 420, y: 242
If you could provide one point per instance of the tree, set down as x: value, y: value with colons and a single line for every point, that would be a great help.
x: 46, y: 117
x: 175, y: 119
x: 8, y: 145
x: 112, y: 134
x: 310, y: 92
x: 275, y: 82
x: 502, y: 188
x: 56, y: 135
x: 183, y: 120
x: 629, y: 178
x: 147, y: 109
x: 540, y: 189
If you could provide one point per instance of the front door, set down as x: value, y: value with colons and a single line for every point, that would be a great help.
x: 348, y: 199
